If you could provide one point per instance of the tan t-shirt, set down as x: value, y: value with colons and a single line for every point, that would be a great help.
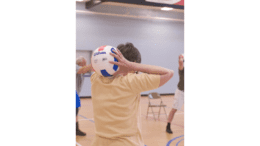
x: 116, y: 103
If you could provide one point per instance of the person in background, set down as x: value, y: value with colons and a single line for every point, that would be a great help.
x: 81, y: 69
x: 178, y: 97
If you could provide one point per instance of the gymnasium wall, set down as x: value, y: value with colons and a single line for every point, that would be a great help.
x: 159, y: 41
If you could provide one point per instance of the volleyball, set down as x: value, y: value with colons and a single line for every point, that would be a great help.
x: 100, y: 61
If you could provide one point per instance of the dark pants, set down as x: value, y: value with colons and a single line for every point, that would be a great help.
x: 77, y: 111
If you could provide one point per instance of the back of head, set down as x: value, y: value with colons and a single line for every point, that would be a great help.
x: 130, y: 52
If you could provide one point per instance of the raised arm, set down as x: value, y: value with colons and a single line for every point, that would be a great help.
x: 127, y: 66
x: 84, y: 69
x: 165, y: 74
x: 181, y: 59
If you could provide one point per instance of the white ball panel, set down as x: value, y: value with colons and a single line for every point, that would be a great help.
x: 101, y: 61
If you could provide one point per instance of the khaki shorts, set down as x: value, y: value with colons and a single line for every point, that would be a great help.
x: 178, y: 100
x: 124, y: 141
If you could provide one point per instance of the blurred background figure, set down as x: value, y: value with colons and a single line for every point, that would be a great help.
x: 81, y: 69
x: 179, y: 95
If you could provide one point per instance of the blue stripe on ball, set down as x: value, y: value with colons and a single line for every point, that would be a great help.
x: 115, y: 59
x: 115, y: 66
x: 112, y: 51
x: 105, y: 73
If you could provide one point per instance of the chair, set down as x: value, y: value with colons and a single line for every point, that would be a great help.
x: 152, y: 96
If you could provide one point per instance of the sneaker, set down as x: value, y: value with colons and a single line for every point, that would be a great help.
x: 168, y: 130
x: 80, y: 133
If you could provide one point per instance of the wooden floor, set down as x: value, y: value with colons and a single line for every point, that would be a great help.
x: 153, y: 132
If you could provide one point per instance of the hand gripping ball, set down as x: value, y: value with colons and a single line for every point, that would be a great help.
x: 100, y: 61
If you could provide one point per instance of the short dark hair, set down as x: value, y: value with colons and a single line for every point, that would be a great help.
x: 130, y: 52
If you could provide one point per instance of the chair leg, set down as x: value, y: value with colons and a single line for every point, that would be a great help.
x: 159, y: 113
x: 147, y: 112
x: 153, y: 114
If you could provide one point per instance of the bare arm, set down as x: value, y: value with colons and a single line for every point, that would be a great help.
x: 165, y: 74
x: 126, y: 66
x: 84, y: 69
x: 181, y: 62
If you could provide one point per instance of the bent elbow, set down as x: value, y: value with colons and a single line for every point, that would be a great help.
x: 171, y: 73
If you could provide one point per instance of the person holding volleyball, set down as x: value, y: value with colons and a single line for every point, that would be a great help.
x: 116, y: 99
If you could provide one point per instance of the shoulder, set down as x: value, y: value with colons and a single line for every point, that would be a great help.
x: 132, y: 76
x: 143, y: 82
x: 93, y: 76
x: 141, y: 77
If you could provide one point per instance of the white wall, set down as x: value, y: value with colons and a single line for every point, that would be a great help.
x: 159, y: 42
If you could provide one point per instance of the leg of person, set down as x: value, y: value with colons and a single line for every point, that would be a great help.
x: 177, y: 104
x: 78, y: 132
x: 170, y: 117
